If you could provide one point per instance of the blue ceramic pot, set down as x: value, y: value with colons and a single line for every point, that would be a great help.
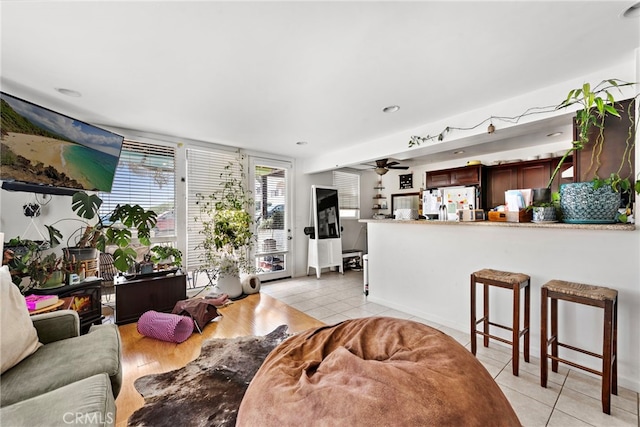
x: 582, y: 204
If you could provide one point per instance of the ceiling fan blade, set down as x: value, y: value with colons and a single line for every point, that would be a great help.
x: 393, y: 163
x: 399, y: 167
x: 381, y: 163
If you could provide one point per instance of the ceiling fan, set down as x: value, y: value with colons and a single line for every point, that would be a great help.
x: 383, y: 166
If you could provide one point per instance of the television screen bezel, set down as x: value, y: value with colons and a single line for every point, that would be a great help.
x: 41, y: 188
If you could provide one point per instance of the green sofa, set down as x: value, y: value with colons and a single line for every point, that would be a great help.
x: 71, y: 379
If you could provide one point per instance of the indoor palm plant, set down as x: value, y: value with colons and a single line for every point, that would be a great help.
x: 596, y: 103
x: 227, y: 227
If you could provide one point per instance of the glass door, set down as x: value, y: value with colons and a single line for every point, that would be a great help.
x: 272, y: 217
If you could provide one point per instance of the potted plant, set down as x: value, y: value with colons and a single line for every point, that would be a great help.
x: 545, y: 205
x: 113, y: 228
x: 163, y: 255
x: 227, y: 227
x: 46, y: 271
x: 596, y: 104
x: 18, y: 255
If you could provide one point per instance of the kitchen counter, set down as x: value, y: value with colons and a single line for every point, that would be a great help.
x: 423, y: 268
x: 554, y: 225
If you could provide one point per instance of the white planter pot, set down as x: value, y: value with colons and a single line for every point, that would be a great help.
x: 230, y: 285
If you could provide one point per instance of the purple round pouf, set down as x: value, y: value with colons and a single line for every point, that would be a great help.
x: 165, y: 326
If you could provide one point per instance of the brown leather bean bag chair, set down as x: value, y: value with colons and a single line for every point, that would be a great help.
x: 374, y: 372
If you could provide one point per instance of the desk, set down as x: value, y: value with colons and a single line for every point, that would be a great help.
x: 136, y: 296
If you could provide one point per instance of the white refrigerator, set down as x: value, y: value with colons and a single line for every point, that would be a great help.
x: 452, y: 198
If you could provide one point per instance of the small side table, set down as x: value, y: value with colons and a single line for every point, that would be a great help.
x: 47, y: 309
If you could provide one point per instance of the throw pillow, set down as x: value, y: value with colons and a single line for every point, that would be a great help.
x: 18, y: 336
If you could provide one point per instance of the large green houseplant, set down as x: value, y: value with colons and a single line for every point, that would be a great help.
x: 596, y: 103
x: 227, y: 228
x: 113, y: 228
x: 25, y: 258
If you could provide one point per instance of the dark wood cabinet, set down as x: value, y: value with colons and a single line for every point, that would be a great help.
x: 466, y: 175
x: 512, y: 176
x: 134, y: 297
x: 617, y: 140
x: 499, y: 180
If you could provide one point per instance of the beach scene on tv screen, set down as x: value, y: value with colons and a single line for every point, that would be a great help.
x: 41, y: 146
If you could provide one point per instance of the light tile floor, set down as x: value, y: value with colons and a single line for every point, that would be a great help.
x: 572, y: 398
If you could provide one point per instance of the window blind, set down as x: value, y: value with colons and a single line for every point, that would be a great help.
x: 348, y: 185
x: 145, y: 176
x: 204, y: 176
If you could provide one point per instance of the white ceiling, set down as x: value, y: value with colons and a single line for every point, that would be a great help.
x: 264, y: 75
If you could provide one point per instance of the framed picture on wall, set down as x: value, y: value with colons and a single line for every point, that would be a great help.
x: 406, y: 181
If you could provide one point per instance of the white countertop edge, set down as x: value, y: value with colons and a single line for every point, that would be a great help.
x: 557, y: 225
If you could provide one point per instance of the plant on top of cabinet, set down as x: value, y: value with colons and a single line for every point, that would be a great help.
x: 597, y: 103
x: 598, y: 200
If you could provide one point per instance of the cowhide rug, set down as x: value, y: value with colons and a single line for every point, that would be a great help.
x: 208, y: 391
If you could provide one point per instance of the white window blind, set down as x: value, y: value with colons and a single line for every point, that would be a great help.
x: 204, y: 176
x: 145, y: 176
x: 348, y: 185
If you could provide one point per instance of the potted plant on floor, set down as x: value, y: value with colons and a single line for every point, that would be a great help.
x: 227, y: 227
x: 597, y: 103
x: 111, y: 229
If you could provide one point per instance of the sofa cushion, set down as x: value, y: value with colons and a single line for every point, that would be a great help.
x: 18, y: 337
x: 88, y: 402
x: 64, y: 362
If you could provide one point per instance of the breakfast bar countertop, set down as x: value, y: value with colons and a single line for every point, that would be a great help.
x: 557, y: 225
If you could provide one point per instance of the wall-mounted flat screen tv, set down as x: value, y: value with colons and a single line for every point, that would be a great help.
x: 43, y: 151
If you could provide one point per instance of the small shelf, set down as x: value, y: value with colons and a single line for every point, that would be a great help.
x: 379, y: 196
x: 378, y: 188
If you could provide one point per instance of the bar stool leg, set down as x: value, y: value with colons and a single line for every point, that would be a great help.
x: 473, y: 315
x: 543, y: 337
x: 554, y: 334
x: 614, y: 370
x: 607, y: 350
x: 485, y: 304
x: 515, y: 336
x: 527, y: 318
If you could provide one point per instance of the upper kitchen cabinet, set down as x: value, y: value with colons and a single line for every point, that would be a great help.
x: 512, y: 176
x: 466, y: 175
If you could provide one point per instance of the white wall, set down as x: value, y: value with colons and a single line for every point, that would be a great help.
x: 424, y: 269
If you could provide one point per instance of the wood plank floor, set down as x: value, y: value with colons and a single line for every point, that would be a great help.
x: 256, y: 314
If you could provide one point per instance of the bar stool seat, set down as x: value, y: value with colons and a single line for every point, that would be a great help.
x: 596, y: 296
x: 507, y: 280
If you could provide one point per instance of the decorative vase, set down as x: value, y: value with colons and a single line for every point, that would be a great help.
x: 229, y: 284
x: 582, y: 204
x: 544, y: 214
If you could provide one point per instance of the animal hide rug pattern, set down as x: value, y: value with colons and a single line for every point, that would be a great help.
x: 208, y: 390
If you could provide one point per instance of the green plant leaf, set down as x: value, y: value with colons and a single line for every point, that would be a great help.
x: 611, y: 110
x: 84, y: 205
x: 54, y: 235
x: 124, y: 258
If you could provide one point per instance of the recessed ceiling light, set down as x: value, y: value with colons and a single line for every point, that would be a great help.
x: 301, y: 143
x: 458, y: 152
x: 69, y: 92
x: 551, y: 135
x: 633, y: 11
x: 391, y: 109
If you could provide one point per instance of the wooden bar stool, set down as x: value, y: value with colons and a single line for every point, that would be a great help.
x: 507, y: 280
x: 596, y: 296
